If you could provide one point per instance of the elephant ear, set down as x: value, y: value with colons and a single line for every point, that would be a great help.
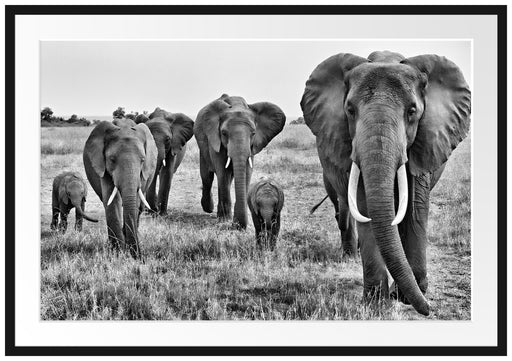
x: 446, y: 119
x: 148, y: 169
x: 208, y: 122
x: 95, y: 145
x: 182, y: 128
x: 270, y: 120
x: 63, y: 195
x: 323, y: 107
x: 281, y: 197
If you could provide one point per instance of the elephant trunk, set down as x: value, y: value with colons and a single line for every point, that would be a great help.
x: 80, y: 211
x: 379, y: 169
x: 131, y: 217
x: 267, y: 214
x: 240, y: 173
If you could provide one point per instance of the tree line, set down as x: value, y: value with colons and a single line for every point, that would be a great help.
x: 49, y: 120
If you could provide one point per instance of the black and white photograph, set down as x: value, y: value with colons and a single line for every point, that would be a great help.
x: 256, y: 177
x: 256, y: 180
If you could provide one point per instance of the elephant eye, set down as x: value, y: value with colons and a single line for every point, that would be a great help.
x: 350, y: 110
x: 224, y: 132
x: 411, y: 111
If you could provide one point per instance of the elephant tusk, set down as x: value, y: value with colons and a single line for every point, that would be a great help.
x: 112, y: 196
x: 163, y: 162
x: 352, y: 194
x: 402, y: 194
x: 250, y: 162
x: 143, y: 199
x: 227, y: 163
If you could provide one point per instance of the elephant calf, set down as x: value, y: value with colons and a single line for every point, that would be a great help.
x: 69, y: 191
x: 265, y: 200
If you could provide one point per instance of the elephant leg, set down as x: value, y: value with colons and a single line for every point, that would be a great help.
x: 342, y: 215
x: 276, y: 225
x: 333, y: 196
x: 164, y: 188
x: 55, y: 210
x: 79, y: 218
x: 375, y: 277
x: 55, y: 218
x: 207, y: 180
x: 347, y: 229
x: 224, y: 180
x: 114, y: 219
x: 413, y: 232
x: 64, y: 211
x: 151, y: 193
x: 257, y: 229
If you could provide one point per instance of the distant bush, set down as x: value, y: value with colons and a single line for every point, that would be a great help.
x: 141, y: 118
x: 299, y: 120
x: 119, y: 113
x: 48, y: 120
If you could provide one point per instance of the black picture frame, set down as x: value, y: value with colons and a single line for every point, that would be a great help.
x: 10, y: 182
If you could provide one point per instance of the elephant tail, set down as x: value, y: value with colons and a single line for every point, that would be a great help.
x: 317, y: 205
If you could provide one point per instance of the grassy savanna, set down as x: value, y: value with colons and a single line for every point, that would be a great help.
x: 197, y: 268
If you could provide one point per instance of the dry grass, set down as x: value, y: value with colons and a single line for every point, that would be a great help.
x: 197, y: 268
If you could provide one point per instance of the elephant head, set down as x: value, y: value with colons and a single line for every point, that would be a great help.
x: 266, y: 200
x: 120, y: 163
x: 232, y: 132
x: 171, y: 132
x: 124, y: 122
x: 72, y: 191
x: 379, y: 118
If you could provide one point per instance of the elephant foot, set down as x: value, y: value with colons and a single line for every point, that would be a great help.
x: 207, y: 203
x: 266, y: 242
x: 237, y: 226
x: 376, y: 292
x: 349, y: 254
x: 396, y: 294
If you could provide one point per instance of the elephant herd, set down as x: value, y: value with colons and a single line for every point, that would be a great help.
x: 385, y: 127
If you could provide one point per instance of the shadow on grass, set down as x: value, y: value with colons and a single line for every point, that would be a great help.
x: 54, y: 246
x: 198, y: 220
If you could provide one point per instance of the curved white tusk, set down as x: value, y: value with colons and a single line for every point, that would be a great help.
x: 352, y: 194
x: 163, y: 162
x: 227, y: 163
x: 403, y: 194
x: 143, y: 199
x: 112, y: 196
x: 250, y: 162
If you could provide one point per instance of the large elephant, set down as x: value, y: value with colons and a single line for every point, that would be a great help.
x: 120, y: 163
x: 171, y: 132
x: 392, y: 121
x: 229, y: 132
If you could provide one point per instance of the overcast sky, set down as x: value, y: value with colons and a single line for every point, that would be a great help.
x: 95, y: 77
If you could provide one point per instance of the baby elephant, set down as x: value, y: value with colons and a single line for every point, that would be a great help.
x: 69, y: 191
x: 265, y: 200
